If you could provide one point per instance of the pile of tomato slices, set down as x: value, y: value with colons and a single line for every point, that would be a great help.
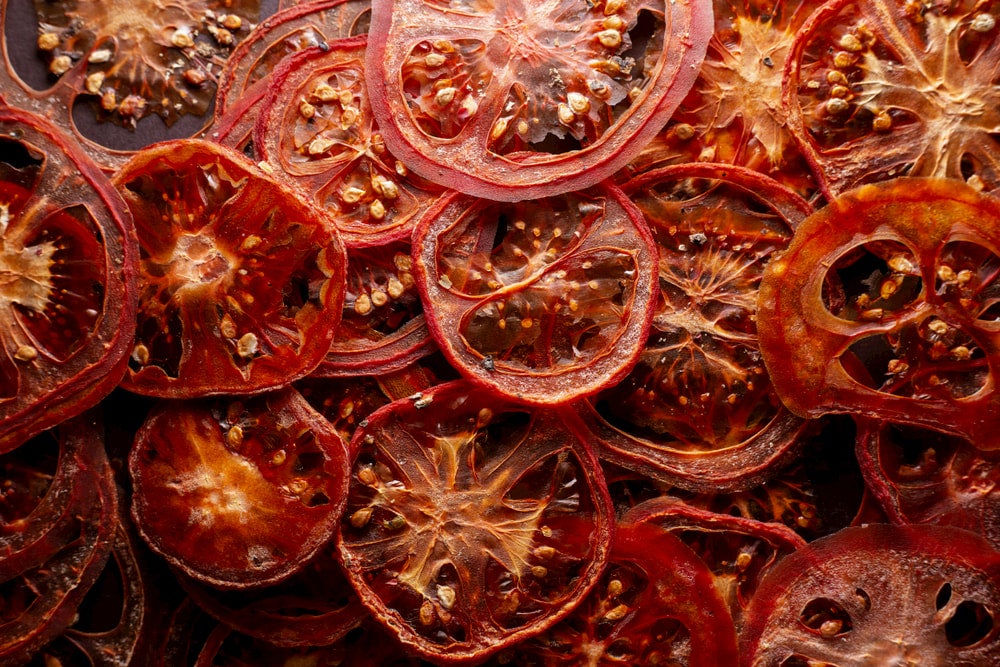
x: 453, y: 332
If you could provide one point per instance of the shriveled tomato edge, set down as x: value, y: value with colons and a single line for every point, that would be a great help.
x: 604, y: 530
x: 319, y: 533
x: 792, y: 206
x: 866, y: 446
x: 262, y: 32
x: 152, y: 380
x: 395, y: 352
x: 782, y: 310
x: 869, y: 543
x: 542, y: 388
x: 502, y: 179
x: 74, y: 395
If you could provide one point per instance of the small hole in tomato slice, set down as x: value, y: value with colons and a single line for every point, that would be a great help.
x: 826, y: 617
x: 970, y: 624
x: 17, y: 155
x: 871, y: 281
x: 943, y: 596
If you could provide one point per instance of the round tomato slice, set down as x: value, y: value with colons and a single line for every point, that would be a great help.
x: 886, y: 305
x: 545, y: 300
x: 67, y: 279
x: 654, y: 605
x: 513, y: 100
x: 698, y: 409
x: 241, y: 283
x: 238, y: 492
x: 472, y: 522
x: 884, y: 88
x: 879, y: 595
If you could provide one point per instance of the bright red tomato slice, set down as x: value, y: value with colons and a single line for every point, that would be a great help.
x: 514, y: 100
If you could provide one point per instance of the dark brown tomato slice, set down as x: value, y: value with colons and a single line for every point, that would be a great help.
x: 882, y: 89
x: 654, y: 605
x: 238, y: 492
x: 472, y: 522
x: 514, y: 100
x: 737, y: 551
x: 40, y: 599
x: 925, y: 476
x: 734, y: 111
x: 545, y: 300
x: 383, y: 328
x: 698, y: 409
x: 317, y: 132
x: 879, y: 595
x: 885, y: 305
x: 241, y: 283
x: 288, y: 31
x: 67, y: 279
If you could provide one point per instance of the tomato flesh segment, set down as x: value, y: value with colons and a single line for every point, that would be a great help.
x: 471, y: 522
x: 238, y: 275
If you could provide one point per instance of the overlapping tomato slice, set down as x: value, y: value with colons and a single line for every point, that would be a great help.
x: 238, y: 492
x: 545, y: 300
x: 894, y: 314
x: 472, y: 522
x: 241, y: 283
x: 511, y: 100
x: 67, y: 279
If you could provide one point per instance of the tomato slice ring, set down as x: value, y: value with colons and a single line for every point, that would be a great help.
x: 458, y: 533
x: 544, y: 301
x: 68, y: 259
x: 879, y: 595
x: 241, y: 282
x: 515, y: 100
x: 893, y: 313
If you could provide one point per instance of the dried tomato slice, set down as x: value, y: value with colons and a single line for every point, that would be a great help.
x: 654, y: 605
x: 698, y: 409
x: 890, y: 88
x: 316, y: 130
x: 241, y: 283
x: 472, y: 522
x: 513, y: 100
x: 925, y: 476
x: 885, y: 305
x: 546, y: 300
x: 68, y: 265
x: 238, y: 492
x: 879, y: 595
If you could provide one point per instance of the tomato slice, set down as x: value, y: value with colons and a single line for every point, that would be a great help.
x: 545, y: 300
x: 241, y: 283
x: 514, y: 100
x: 698, y: 409
x: 925, y: 476
x: 238, y: 492
x: 317, y: 132
x: 887, y: 88
x: 472, y: 522
x: 654, y: 605
x: 67, y: 269
x: 893, y: 312
x: 879, y: 595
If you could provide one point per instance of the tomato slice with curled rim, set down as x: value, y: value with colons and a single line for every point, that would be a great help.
x: 512, y: 100
x: 238, y: 492
x: 886, y: 305
x: 654, y: 605
x: 698, y: 409
x: 67, y: 279
x: 879, y: 595
x: 544, y: 301
x: 472, y: 522
x: 241, y: 283
x: 317, y: 132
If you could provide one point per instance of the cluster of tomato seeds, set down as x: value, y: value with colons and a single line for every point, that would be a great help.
x: 449, y: 332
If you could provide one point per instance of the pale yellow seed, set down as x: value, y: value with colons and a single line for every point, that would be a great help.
x: 94, y: 83
x: 446, y: 596
x: 613, y: 6
x: 60, y: 65
x: 234, y: 436
x: 683, y: 131
x: 961, y: 353
x: 842, y: 59
x: 223, y: 36
x: 140, y: 353
x: 384, y: 187
x: 897, y: 366
x: 379, y: 298
x: 361, y: 518
x: 352, y: 195
x: 395, y: 288
x: 834, y: 76
x: 109, y: 100
x: 611, y: 39
x: 851, y: 42
x: 402, y: 262
x: 964, y: 276
x: 298, y: 486
x: 246, y: 346
x: 499, y: 128
x: 882, y: 122
x: 578, y: 104
x: 349, y: 117
x: 940, y: 327
x: 426, y: 613
x: 26, y: 353
x: 539, y: 571
x: 836, y: 106
x: 840, y: 91
x: 324, y: 92
x: 434, y: 59
x: 99, y: 56
x: 279, y: 457
x: 613, y: 22
x: 363, y: 305
x: 566, y: 115
x: 401, y: 168
x: 743, y: 560
x: 47, y: 41
x: 983, y: 23
x: 444, y: 46
x: 346, y: 98
x: 376, y: 209
x: 181, y: 39
x: 445, y: 96
x: 319, y: 145
x: 830, y: 628
x: 616, y: 613
x: 231, y: 21
x: 306, y: 110
x: 901, y: 264
x: 522, y: 127
x: 367, y: 476
x: 615, y: 588
x: 227, y: 326
x: 946, y: 273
